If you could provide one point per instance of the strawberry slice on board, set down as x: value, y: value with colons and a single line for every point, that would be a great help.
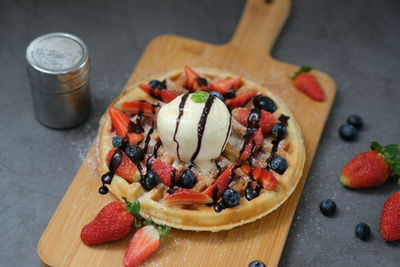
x: 144, y: 243
x: 126, y: 169
x: 265, y: 178
x: 194, y: 81
x: 223, y: 86
x: 135, y: 107
x: 218, y: 187
x: 240, y: 100
x: 184, y: 196
x: 308, y: 84
x: 266, y: 123
x: 253, y: 145
x: 167, y: 174
x: 113, y: 222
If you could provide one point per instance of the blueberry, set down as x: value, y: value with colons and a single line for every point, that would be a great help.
x: 134, y: 153
x: 327, y: 207
x: 103, y: 190
x: 356, y: 121
x: 150, y: 180
x: 218, y: 207
x: 362, y: 231
x: 265, y: 103
x: 202, y: 81
x: 251, y: 193
x: 187, y: 180
x: 348, y: 132
x: 107, y: 178
x: 119, y: 142
x: 218, y: 95
x: 230, y: 198
x: 159, y: 85
x: 278, y: 164
x: 256, y: 264
x: 279, y: 130
x: 230, y: 94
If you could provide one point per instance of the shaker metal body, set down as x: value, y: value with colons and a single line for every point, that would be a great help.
x: 58, y: 70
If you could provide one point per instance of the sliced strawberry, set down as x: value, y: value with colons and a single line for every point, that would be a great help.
x: 246, y: 169
x: 168, y: 95
x: 184, y: 196
x: 253, y: 145
x: 193, y: 80
x: 144, y: 243
x: 165, y: 171
x: 265, y: 178
x: 240, y: 100
x: 218, y: 187
x: 135, y: 107
x: 164, y: 95
x: 134, y: 138
x: 119, y: 121
x: 127, y: 169
x: 266, y: 123
x: 223, y: 86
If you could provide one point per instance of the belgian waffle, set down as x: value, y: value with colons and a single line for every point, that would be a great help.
x: 203, y: 217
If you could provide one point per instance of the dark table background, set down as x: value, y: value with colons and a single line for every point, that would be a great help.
x: 356, y: 42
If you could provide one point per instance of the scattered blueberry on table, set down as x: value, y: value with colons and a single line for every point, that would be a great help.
x: 348, y: 132
x: 356, y: 121
x: 362, y: 231
x: 327, y: 207
x: 256, y: 264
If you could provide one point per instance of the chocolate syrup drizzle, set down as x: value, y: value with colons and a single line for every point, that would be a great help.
x: 201, y: 125
x: 253, y: 123
x: 178, y: 120
x: 275, y: 143
x: 148, y: 137
x: 227, y: 133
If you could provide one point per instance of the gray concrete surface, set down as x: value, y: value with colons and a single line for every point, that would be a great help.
x: 357, y: 42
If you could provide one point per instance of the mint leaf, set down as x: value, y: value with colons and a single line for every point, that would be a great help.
x: 200, y: 97
x: 376, y: 146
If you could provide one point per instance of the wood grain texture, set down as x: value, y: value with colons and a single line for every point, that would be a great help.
x: 245, y: 55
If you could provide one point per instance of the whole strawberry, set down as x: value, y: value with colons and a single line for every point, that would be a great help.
x: 371, y: 168
x: 390, y: 218
x: 114, y: 222
x: 308, y: 84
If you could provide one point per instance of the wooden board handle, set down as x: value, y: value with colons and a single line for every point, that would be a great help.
x: 260, y: 24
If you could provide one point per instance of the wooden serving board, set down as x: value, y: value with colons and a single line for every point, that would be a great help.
x: 247, y: 56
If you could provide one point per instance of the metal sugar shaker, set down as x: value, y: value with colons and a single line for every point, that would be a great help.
x: 58, y: 69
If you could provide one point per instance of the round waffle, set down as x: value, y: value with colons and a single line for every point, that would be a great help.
x: 203, y: 217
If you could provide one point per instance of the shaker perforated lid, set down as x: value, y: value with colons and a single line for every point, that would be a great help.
x: 57, y: 62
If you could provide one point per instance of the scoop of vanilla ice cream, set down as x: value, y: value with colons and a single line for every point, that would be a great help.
x: 187, y: 129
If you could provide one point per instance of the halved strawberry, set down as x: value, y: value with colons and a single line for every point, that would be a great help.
x: 240, y: 100
x: 266, y: 123
x: 144, y: 243
x: 218, y: 187
x: 223, y: 86
x: 127, y: 169
x: 265, y: 178
x: 135, y: 107
x: 164, y: 95
x: 165, y: 171
x: 254, y: 144
x: 184, y: 196
x: 193, y: 80
x: 119, y: 121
